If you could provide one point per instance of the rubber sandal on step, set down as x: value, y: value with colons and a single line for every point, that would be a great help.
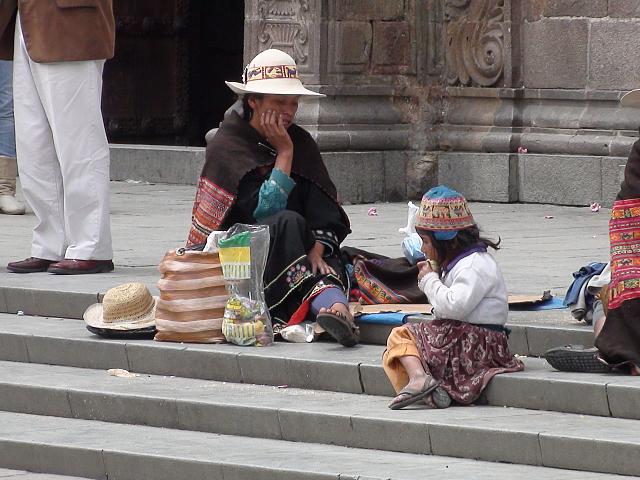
x: 337, y: 325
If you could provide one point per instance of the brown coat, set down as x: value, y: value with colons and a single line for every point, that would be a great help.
x: 59, y: 30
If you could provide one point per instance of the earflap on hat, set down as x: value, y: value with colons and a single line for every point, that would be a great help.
x: 444, y: 212
x: 445, y: 235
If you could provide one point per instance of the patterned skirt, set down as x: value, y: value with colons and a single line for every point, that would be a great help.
x: 462, y: 356
x: 619, y: 340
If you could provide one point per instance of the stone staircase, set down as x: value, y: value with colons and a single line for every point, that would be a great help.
x: 293, y: 411
x: 23, y: 475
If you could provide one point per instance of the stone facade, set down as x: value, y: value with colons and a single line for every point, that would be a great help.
x: 449, y: 90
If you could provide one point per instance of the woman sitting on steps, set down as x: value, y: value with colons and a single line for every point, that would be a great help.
x: 262, y: 168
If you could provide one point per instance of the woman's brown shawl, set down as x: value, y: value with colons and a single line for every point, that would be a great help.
x: 233, y: 152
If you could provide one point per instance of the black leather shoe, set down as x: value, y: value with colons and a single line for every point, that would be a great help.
x: 80, y: 267
x: 30, y: 265
x: 576, y: 358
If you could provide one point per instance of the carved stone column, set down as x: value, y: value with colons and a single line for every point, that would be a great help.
x: 477, y: 39
x: 353, y: 51
x: 287, y: 25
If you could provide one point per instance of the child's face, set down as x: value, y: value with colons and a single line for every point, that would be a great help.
x: 428, y: 249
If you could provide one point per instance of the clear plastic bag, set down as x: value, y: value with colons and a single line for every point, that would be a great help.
x: 412, y: 243
x: 243, y: 251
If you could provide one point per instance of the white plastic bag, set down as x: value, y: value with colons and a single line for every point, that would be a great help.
x: 211, y: 245
x: 412, y: 243
x: 302, y: 333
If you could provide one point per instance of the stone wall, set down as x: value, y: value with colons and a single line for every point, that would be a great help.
x: 449, y: 90
x: 371, y: 58
x: 566, y: 63
x: 589, y: 44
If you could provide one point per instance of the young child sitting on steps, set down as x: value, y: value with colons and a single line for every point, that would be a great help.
x: 454, y: 356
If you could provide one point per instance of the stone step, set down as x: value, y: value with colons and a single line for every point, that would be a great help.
x: 488, y: 433
x: 126, y: 452
x: 358, y: 174
x: 532, y: 333
x: 24, y: 475
x: 317, y: 366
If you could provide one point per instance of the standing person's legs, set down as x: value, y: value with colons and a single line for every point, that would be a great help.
x: 7, y: 127
x: 71, y: 93
x: 40, y: 174
x: 8, y: 165
x: 64, y: 162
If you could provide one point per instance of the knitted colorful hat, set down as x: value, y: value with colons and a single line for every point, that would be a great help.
x: 444, y: 212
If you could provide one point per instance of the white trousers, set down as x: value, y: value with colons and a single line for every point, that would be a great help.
x: 63, y: 155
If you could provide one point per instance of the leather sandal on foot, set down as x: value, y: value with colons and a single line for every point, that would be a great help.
x: 340, y: 328
x: 409, y: 396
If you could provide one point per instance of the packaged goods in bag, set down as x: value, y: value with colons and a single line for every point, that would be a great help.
x: 245, y: 322
x: 235, y: 256
x: 243, y: 253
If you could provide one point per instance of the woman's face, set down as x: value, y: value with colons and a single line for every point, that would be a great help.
x: 284, y: 105
x: 428, y: 249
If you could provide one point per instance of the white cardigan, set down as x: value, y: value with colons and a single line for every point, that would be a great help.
x: 473, y: 291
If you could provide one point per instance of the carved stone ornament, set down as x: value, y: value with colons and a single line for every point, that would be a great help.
x: 284, y: 24
x: 474, y: 32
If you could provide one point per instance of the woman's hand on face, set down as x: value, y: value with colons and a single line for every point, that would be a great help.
x: 318, y: 265
x: 423, y: 269
x: 277, y: 135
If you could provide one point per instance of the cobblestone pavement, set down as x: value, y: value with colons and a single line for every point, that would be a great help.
x: 538, y: 253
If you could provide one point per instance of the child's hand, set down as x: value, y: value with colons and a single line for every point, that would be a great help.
x: 423, y: 269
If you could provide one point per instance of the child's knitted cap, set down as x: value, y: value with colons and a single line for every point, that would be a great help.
x: 444, y: 212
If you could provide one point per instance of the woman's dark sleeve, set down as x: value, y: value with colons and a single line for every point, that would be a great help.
x: 325, y: 218
x: 246, y: 200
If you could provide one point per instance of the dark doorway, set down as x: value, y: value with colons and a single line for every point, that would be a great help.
x: 165, y: 84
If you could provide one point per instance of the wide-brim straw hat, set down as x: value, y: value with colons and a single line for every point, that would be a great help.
x: 126, y: 307
x: 272, y: 72
x: 631, y: 99
x: 444, y: 212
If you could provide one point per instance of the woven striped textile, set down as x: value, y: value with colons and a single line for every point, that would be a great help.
x: 193, y: 296
x: 209, y: 210
x: 624, y: 235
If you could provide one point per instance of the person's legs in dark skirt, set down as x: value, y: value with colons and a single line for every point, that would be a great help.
x: 289, y: 269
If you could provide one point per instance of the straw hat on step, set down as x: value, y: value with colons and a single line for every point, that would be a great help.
x: 126, y: 307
